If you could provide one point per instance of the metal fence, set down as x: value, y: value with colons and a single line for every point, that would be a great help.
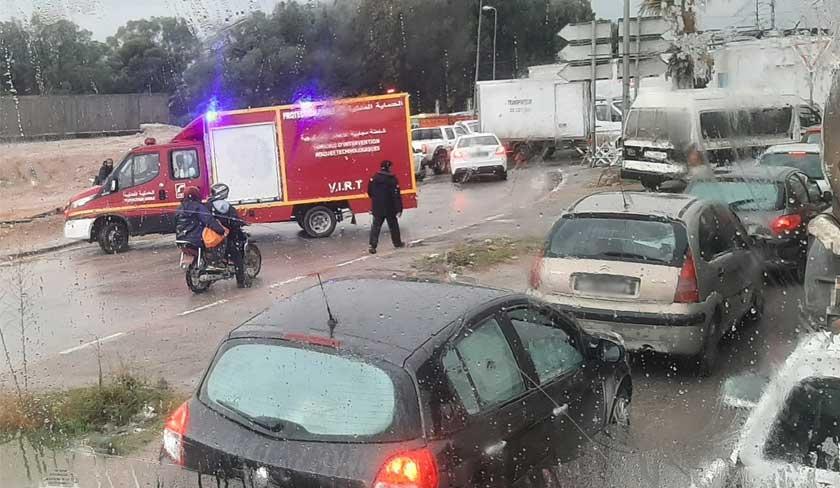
x: 59, y: 116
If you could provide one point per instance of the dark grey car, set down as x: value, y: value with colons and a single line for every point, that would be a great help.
x: 775, y: 204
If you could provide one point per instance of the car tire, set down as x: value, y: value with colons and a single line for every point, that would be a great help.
x: 708, y: 357
x: 113, y: 237
x: 319, y: 222
x: 503, y: 175
x: 457, y: 179
x: 651, y: 183
x: 439, y: 163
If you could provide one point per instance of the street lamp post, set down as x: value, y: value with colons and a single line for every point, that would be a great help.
x: 477, y: 53
x: 488, y: 8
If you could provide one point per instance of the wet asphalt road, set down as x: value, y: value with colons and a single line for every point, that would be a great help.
x: 138, y: 304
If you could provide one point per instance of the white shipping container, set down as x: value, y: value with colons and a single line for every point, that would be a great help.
x: 534, y: 109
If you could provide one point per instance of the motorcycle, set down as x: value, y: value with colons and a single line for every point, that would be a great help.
x: 205, y: 266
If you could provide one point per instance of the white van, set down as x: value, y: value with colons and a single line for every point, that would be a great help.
x: 664, y: 126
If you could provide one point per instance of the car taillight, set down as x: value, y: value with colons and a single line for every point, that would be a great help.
x: 536, y: 273
x: 785, y: 224
x: 457, y: 154
x: 414, y: 469
x: 425, y: 148
x: 687, y: 291
x: 500, y: 151
x: 174, y: 431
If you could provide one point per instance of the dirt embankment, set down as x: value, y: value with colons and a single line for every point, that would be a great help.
x: 37, y: 177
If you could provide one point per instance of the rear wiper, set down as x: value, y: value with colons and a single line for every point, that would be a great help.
x: 738, y: 203
x: 272, y: 424
x: 616, y: 254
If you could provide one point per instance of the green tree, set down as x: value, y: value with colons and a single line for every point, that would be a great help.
x: 152, y: 55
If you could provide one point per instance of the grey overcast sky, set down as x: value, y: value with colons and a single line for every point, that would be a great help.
x: 103, y: 17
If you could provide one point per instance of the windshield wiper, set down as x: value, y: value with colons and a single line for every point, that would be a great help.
x: 629, y: 255
x: 272, y: 424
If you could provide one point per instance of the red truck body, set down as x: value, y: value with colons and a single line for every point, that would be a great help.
x: 309, y: 162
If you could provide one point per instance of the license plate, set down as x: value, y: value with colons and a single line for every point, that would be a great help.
x: 482, y: 154
x: 660, y: 155
x: 606, y: 284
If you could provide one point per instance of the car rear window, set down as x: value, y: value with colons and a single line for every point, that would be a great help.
x: 618, y: 239
x: 426, y: 134
x: 808, y: 163
x: 308, y: 394
x: 478, y: 141
x: 740, y: 194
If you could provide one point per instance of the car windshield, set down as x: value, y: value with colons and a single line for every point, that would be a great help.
x: 808, y: 162
x: 741, y: 194
x: 269, y: 385
x: 659, y: 124
x: 477, y: 141
x: 170, y: 169
x: 617, y: 239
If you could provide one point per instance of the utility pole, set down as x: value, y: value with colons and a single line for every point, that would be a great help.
x: 625, y: 81
x: 773, y: 14
x: 593, y: 80
x: 757, y: 22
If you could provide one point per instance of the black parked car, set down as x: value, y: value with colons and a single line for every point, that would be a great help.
x: 468, y: 387
x: 775, y: 204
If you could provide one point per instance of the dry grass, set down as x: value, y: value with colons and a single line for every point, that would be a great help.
x: 56, y: 417
x: 478, y: 255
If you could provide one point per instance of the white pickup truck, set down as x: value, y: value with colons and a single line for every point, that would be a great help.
x: 436, y: 143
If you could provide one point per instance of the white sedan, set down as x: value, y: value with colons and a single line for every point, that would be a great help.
x: 478, y: 154
x: 792, y: 436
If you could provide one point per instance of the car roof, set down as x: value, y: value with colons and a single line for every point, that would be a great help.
x: 756, y: 173
x: 378, y: 318
x: 671, y: 205
x: 477, y: 134
x: 816, y: 355
x: 798, y: 147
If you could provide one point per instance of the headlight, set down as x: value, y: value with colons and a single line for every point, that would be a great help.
x: 82, y: 201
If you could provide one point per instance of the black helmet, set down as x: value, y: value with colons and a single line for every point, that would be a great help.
x: 219, y: 191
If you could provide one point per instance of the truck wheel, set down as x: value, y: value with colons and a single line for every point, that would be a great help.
x: 319, y: 221
x: 113, y: 237
x: 439, y: 163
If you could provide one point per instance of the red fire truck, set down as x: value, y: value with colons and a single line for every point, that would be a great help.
x: 309, y: 163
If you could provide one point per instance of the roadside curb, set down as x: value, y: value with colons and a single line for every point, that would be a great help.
x: 40, y: 251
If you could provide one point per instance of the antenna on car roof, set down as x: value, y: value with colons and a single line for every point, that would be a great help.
x: 331, y: 321
x: 621, y: 189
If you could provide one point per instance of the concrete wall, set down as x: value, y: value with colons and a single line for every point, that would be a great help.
x: 60, y: 116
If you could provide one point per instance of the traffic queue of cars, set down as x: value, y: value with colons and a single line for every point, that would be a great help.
x: 459, y: 150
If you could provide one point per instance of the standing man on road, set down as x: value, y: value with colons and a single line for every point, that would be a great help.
x: 386, y: 205
x: 104, y: 171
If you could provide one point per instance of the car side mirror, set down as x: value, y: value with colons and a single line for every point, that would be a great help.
x: 827, y: 197
x: 609, y: 351
x: 743, y: 391
x: 114, y: 186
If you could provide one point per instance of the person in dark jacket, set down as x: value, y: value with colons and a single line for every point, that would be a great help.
x: 386, y: 205
x: 227, y: 215
x: 192, y: 217
x: 104, y: 172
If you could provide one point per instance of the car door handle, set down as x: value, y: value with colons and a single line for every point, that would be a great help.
x: 560, y: 410
x: 495, y: 449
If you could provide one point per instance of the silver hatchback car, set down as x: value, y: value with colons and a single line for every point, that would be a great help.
x: 668, y: 273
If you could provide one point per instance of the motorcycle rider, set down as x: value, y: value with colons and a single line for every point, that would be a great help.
x: 192, y: 217
x: 226, y: 213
